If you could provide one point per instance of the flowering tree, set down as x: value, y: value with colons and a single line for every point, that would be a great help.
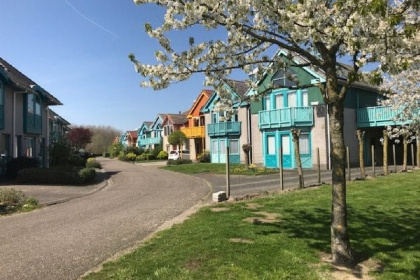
x: 403, y: 94
x: 319, y: 32
x: 79, y: 137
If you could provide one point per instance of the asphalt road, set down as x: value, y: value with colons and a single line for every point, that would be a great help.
x: 65, y: 240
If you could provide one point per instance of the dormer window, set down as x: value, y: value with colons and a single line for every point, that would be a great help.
x: 284, y: 79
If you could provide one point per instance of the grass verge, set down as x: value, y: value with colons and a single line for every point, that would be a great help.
x: 219, y: 168
x: 282, y: 236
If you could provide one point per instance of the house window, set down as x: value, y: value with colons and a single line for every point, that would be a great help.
x: 196, y: 122
x: 279, y: 101
x: 305, y: 102
x: 271, y: 145
x: 234, y: 146
x: 267, y: 103
x: 284, y: 79
x: 291, y: 99
x: 304, y: 144
x: 30, y: 147
x: 5, y: 145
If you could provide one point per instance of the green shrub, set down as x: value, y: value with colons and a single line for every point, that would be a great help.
x: 131, y: 156
x: 150, y: 157
x: 122, y: 156
x: 92, y: 163
x: 141, y: 157
x: 87, y: 175
x: 76, y: 160
x: 49, y: 176
x: 162, y: 155
x: 11, y: 200
x: 178, y: 161
x: 204, y: 157
x: 15, y: 164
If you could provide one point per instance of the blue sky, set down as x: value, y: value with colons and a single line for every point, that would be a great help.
x: 78, y: 51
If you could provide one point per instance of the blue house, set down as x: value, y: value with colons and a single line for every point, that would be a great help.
x: 225, y: 130
x: 289, y: 107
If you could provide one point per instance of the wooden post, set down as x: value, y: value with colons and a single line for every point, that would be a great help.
x: 319, y: 165
x: 348, y: 163
x: 385, y: 151
x: 281, y: 168
x: 360, y: 136
x: 394, y: 158
x: 373, y: 160
x: 227, y: 173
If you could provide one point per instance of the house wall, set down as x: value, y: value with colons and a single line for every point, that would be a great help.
x: 243, y: 118
x: 319, y: 137
x: 350, y: 137
x: 257, y: 145
x: 207, y: 120
x: 16, y: 129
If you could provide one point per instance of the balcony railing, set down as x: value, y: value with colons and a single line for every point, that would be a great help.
x: 224, y: 129
x: 194, y: 132
x: 33, y: 124
x: 378, y: 116
x: 149, y: 141
x: 286, y: 117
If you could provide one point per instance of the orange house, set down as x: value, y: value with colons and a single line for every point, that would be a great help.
x: 195, y: 129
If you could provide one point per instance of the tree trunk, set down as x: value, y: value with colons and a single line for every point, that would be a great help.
x: 418, y: 152
x: 340, y: 241
x: 405, y: 145
x: 385, y: 151
x: 295, y: 137
x: 360, y: 137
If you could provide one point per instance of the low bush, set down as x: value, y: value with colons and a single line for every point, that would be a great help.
x: 77, y: 160
x: 131, y: 156
x: 204, y: 157
x: 87, y: 175
x: 12, y: 200
x: 178, y: 161
x: 162, y: 155
x: 15, y: 164
x: 92, y: 163
x: 56, y: 176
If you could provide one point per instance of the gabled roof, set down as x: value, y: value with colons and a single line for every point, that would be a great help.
x: 132, y: 134
x: 205, y: 93
x: 158, y: 120
x: 145, y: 127
x: 175, y: 119
x: 54, y: 115
x: 238, y: 90
x: 20, y: 81
x: 318, y: 73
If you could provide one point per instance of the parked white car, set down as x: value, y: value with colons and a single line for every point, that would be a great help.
x: 176, y: 154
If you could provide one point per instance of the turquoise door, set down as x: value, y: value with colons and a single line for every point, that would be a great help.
x: 273, y: 141
x: 218, y: 151
x: 286, y: 146
x: 270, y: 154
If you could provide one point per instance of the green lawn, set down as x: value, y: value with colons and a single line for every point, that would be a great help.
x: 282, y: 236
x: 219, y: 168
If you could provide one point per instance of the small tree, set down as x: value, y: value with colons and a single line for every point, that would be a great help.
x: 79, y: 137
x: 295, y: 138
x: 177, y: 138
x: 247, y: 149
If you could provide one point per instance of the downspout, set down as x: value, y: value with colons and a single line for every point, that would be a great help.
x: 249, y: 128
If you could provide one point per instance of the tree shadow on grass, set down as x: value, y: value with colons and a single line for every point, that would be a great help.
x: 394, y: 234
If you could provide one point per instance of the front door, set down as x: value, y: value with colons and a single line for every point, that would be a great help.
x: 273, y: 142
x: 271, y: 159
x: 286, y: 146
x: 218, y: 150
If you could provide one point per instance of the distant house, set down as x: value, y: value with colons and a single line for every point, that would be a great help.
x: 228, y: 131
x: 285, y: 107
x: 171, y: 123
x: 58, y: 127
x: 150, y: 133
x: 195, y: 128
x: 24, y: 116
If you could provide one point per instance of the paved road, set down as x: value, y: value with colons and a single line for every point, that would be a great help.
x: 65, y: 240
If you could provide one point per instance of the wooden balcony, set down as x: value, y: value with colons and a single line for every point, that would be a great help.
x: 378, y: 116
x: 286, y: 117
x: 149, y: 141
x: 224, y: 129
x: 194, y: 132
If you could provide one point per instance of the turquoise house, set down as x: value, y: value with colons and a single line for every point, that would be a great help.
x: 289, y: 107
x: 228, y: 131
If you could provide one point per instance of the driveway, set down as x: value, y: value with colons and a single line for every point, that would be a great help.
x: 65, y: 240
